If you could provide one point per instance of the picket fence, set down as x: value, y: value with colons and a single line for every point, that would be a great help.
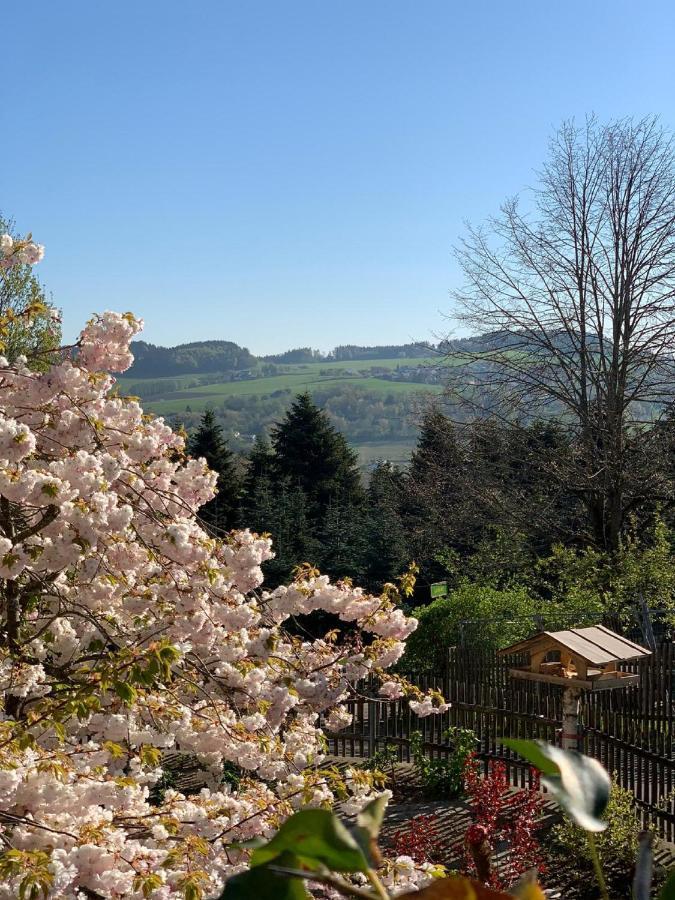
x: 631, y: 730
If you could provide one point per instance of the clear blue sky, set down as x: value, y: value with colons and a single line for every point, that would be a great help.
x: 285, y: 173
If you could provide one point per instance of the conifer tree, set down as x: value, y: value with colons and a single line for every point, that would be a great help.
x: 315, y: 457
x: 343, y: 540
x: 433, y: 495
x: 221, y: 513
x: 386, y: 546
x: 260, y: 465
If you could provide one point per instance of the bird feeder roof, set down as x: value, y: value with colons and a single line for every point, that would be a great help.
x: 597, y: 645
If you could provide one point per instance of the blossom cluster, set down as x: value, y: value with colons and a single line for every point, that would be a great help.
x: 128, y: 631
x: 15, y: 252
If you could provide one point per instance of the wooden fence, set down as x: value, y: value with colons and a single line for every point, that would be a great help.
x: 630, y: 730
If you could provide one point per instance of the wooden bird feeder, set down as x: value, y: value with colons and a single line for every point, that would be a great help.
x: 579, y: 659
x: 586, y: 658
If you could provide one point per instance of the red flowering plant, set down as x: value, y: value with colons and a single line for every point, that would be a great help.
x: 419, y: 839
x: 501, y: 819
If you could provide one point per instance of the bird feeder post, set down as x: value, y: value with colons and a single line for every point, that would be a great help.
x: 571, y: 701
x: 580, y: 660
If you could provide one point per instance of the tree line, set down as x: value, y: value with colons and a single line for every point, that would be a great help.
x: 478, y: 508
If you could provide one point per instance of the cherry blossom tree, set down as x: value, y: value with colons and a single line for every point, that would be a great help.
x: 127, y: 631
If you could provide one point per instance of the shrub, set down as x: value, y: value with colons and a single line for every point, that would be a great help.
x: 418, y: 838
x: 471, y: 613
x: 498, y: 818
x: 382, y: 764
x: 443, y: 777
x: 616, y: 845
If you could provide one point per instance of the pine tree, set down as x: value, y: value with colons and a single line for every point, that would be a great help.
x: 315, y: 457
x: 221, y: 513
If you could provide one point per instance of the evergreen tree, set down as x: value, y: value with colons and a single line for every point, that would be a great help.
x: 433, y: 499
x: 315, y: 457
x: 221, y: 513
x: 386, y: 547
x: 259, y: 503
x: 260, y: 465
x: 343, y: 541
x: 294, y: 539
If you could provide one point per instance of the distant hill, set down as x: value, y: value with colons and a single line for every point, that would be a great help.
x: 226, y: 357
x: 203, y: 357
x: 373, y: 394
x: 151, y: 361
x: 353, y: 352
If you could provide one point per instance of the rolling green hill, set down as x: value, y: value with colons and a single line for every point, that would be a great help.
x: 373, y: 401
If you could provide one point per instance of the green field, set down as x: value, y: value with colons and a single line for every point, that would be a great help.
x: 186, y: 390
x: 376, y: 419
x: 371, y: 452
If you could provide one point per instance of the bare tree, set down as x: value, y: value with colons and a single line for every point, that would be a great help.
x: 574, y: 298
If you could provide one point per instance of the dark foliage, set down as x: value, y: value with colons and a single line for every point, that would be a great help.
x: 185, y: 359
x: 221, y: 513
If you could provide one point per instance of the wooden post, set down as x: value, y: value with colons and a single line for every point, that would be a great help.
x: 373, y: 716
x: 570, y: 725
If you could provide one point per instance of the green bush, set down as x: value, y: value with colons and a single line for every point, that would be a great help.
x: 471, y: 614
x: 442, y: 778
x: 383, y: 763
x: 617, y: 845
x: 589, y: 584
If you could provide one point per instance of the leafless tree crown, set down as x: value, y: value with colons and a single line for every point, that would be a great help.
x: 580, y: 288
x: 573, y: 302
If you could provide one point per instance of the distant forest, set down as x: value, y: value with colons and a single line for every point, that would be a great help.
x: 152, y: 361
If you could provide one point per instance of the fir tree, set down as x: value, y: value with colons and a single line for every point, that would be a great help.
x: 221, y: 513
x: 294, y: 540
x: 433, y: 494
x: 386, y: 547
x: 315, y: 457
x: 260, y: 465
x: 343, y: 541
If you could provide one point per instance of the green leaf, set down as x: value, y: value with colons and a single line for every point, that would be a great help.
x: 261, y: 884
x: 532, y: 751
x: 667, y: 892
x: 125, y: 692
x: 368, y: 824
x: 371, y: 816
x: 579, y: 784
x: 316, y: 836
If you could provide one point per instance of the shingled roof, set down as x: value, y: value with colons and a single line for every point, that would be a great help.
x: 597, y: 644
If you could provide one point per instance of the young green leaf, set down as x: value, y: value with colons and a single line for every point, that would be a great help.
x: 368, y: 824
x: 579, y: 784
x: 371, y: 816
x: 317, y: 836
x: 534, y: 752
x: 262, y: 884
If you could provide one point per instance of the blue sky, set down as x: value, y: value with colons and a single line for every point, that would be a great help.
x: 283, y: 173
